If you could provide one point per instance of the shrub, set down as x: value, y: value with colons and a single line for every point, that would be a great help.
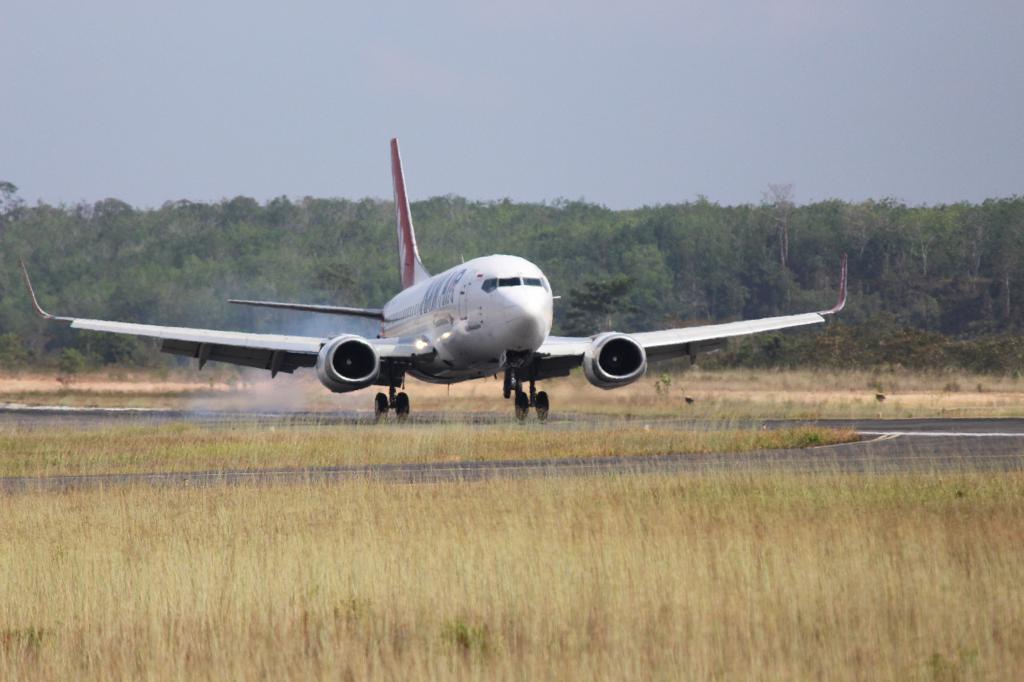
x: 71, y: 362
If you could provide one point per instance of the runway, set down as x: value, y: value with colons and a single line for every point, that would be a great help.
x: 888, y: 446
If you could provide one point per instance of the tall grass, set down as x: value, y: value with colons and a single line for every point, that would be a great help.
x: 190, y: 447
x: 721, y: 576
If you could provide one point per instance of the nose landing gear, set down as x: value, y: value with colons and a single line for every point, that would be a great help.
x: 523, y: 402
x: 397, y: 402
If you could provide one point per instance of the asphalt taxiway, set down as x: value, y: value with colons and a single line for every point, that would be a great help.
x: 887, y: 446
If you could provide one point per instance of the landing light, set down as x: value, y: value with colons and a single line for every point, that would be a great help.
x: 445, y: 336
x: 420, y: 344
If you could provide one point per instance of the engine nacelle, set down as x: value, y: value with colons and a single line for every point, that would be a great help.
x: 347, y: 363
x: 614, y: 360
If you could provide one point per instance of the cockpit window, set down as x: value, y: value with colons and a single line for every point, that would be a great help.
x: 490, y: 283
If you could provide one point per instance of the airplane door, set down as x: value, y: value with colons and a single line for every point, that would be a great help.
x: 470, y: 308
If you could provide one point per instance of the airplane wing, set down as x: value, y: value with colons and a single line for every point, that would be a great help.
x: 560, y: 354
x: 275, y: 352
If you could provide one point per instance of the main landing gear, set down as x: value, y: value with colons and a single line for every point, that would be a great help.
x: 523, y: 402
x: 392, y: 401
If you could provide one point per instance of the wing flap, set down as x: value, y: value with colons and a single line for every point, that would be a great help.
x: 260, y: 358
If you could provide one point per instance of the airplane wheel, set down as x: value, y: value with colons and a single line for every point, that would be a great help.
x: 522, y: 406
x: 542, y: 405
x: 402, y: 406
x: 380, y: 406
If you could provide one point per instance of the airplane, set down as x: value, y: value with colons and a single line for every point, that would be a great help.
x: 486, y: 316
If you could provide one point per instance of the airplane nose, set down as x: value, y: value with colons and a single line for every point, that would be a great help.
x: 527, y: 325
x: 525, y: 331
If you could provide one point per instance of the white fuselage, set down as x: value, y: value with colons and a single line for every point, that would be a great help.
x: 477, y: 317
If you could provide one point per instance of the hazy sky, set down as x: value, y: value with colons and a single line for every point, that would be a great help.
x: 620, y: 103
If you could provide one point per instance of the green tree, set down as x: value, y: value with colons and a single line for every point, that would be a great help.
x: 13, y: 354
x: 593, y: 304
x: 955, y: 272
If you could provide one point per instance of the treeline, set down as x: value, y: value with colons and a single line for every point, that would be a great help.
x: 953, y: 274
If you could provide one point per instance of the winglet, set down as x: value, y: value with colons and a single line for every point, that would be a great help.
x: 32, y: 293
x: 841, y: 303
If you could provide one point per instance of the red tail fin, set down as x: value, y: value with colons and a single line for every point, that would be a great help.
x: 409, y: 263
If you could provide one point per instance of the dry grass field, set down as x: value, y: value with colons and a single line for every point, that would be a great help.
x: 720, y: 394
x: 769, y: 575
x: 712, y: 576
x: 190, y: 447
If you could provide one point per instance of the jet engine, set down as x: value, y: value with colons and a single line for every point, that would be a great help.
x: 347, y: 363
x: 614, y: 360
